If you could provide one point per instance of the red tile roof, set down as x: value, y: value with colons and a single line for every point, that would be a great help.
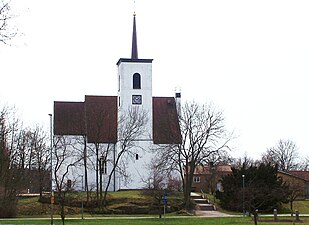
x: 97, y: 118
x: 298, y: 173
x: 101, y: 119
x: 69, y: 118
x: 166, y: 128
x: 200, y: 169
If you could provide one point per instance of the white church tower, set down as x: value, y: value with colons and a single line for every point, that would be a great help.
x: 135, y: 90
x: 135, y: 82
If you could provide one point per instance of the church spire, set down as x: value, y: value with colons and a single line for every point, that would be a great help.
x: 134, y: 54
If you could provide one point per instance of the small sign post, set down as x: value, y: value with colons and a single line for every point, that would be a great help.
x: 164, y: 203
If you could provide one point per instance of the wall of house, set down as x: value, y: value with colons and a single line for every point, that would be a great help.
x: 207, y: 182
x: 307, y: 189
x: 295, y: 183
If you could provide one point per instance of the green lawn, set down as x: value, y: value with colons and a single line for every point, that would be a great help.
x: 130, y: 202
x: 154, y: 221
x: 301, y: 206
x: 30, y: 207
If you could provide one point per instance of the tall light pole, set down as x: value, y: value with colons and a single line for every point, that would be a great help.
x: 82, y: 197
x: 51, y: 170
x: 243, y: 194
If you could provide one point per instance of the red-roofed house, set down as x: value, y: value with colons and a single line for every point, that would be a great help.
x: 97, y: 117
x: 298, y: 181
x: 207, y: 178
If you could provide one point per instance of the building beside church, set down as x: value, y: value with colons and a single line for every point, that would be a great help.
x: 207, y: 178
x: 99, y: 120
x: 298, y: 181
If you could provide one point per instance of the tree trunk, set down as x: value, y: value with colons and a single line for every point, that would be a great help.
x: 107, y: 185
x: 61, y: 197
x: 187, y: 198
x: 40, y: 184
x: 255, y: 216
x: 187, y: 189
x: 110, y: 177
x: 101, y: 191
x: 41, y: 191
x: 85, y: 169
x: 97, y: 174
x: 159, y: 208
x: 291, y: 207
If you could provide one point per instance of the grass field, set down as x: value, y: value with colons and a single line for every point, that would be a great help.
x: 130, y: 202
x: 30, y: 207
x: 301, y: 206
x: 155, y: 221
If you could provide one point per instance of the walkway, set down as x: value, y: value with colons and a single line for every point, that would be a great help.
x: 204, y: 208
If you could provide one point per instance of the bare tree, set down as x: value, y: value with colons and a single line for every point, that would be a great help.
x: 131, y: 126
x: 284, y: 154
x: 155, y: 184
x: 83, y: 149
x: 4, y: 164
x: 65, y: 161
x: 244, y: 162
x: 10, y: 175
x: 22, y: 159
x: 304, y: 165
x: 203, y: 135
x: 7, y: 32
x: 294, y: 192
x: 30, y: 156
x: 101, y: 151
x: 40, y: 156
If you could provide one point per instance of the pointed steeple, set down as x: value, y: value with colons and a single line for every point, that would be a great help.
x: 134, y: 54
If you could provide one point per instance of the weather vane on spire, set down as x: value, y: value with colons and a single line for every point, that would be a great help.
x: 134, y: 7
x: 134, y: 54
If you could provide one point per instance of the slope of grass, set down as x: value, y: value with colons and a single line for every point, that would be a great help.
x: 122, y: 202
x: 31, y: 206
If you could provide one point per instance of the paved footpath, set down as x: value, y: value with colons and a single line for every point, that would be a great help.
x: 213, y: 214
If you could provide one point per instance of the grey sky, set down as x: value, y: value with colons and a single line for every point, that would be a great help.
x: 250, y: 58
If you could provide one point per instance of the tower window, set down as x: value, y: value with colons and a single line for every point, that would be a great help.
x: 136, y: 81
x: 136, y: 156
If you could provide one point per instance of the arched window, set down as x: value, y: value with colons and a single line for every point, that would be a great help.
x: 136, y: 81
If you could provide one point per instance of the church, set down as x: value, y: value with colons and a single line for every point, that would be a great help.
x: 100, y: 119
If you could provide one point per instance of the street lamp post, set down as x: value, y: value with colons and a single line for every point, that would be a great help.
x: 82, y: 197
x: 51, y: 170
x: 243, y: 194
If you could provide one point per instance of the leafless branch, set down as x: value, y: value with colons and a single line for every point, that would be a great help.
x: 7, y: 32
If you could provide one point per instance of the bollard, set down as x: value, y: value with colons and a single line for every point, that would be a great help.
x: 275, y: 215
x: 297, y: 215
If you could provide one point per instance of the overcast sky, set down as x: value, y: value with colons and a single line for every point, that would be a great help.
x: 249, y: 58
